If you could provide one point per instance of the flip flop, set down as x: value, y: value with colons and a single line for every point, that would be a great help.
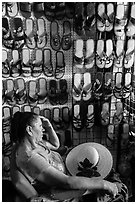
x: 41, y: 32
x: 55, y: 41
x: 20, y: 94
x: 15, y: 109
x: 25, y: 9
x: 47, y: 113
x: 66, y: 39
x: 100, y: 54
x: 130, y: 28
x: 18, y: 33
x: 60, y: 65
x: 37, y: 63
x: 15, y: 64
x: 65, y: 117
x: 130, y: 54
x: 125, y: 132
x: 77, y: 87
x: 109, y: 54
x: 60, y: 10
x: 56, y: 118
x: 97, y: 86
x: 90, y: 22
x: 3, y: 92
x: 26, y: 62
x: 53, y: 92
x: 5, y: 64
x: 47, y: 64
x: 127, y: 88
x: 101, y: 17
x: 6, y: 119
x: 110, y: 17
x: 87, y: 87
x: 36, y: 110
x: 119, y: 54
x: 118, y: 115
x: 32, y: 92
x: 26, y: 108
x: 49, y: 11
x: 70, y: 9
x: 118, y: 88
x: 3, y: 9
x: 89, y: 60
x: 7, y: 38
x: 30, y: 33
x: 120, y: 20
x: 63, y: 95
x: 108, y: 90
x: 90, y: 116
x: 78, y: 56
x: 77, y: 124
x: 38, y: 9
x: 79, y: 18
x: 42, y: 90
x: 10, y: 92
x: 111, y: 136
x: 12, y: 9
x: 105, y: 114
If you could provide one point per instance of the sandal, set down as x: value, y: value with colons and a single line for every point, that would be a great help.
x: 56, y: 118
x: 42, y: 90
x: 105, y: 114
x: 100, y: 54
x: 70, y: 9
x: 26, y: 62
x: 15, y: 64
x: 90, y: 22
x: 32, y: 92
x: 87, y: 87
x: 12, y: 9
x: 65, y: 117
x: 120, y: 20
x: 130, y: 54
x: 36, y: 110
x: 47, y: 113
x: 3, y: 9
x: 131, y: 22
x: 26, y: 108
x: 29, y: 33
x: 89, y: 60
x: 79, y: 18
x: 10, y: 92
x: 6, y: 119
x: 78, y: 57
x: 15, y: 109
x: 54, y: 36
x: 111, y: 136
x: 25, y: 9
x: 47, y: 64
x: 20, y: 94
x: 117, y: 118
x: 108, y: 86
x: 18, y: 33
x: 60, y: 65
x: 125, y: 132
x: 3, y: 92
x: 7, y: 38
x: 118, y: 88
x: 110, y: 17
x: 38, y: 9
x: 60, y: 10
x: 97, y: 86
x: 77, y: 124
x: 41, y: 32
x: 77, y: 87
x: 127, y: 88
x: 49, y: 10
x: 90, y: 116
x: 119, y: 55
x: 37, y: 63
x: 5, y: 64
x: 101, y: 16
x: 53, y: 93
x: 63, y: 95
x: 109, y: 54
x: 66, y: 39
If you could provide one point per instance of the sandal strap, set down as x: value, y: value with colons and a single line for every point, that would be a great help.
x: 89, y: 59
x: 78, y: 59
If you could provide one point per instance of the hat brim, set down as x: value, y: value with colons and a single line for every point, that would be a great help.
x: 104, y: 165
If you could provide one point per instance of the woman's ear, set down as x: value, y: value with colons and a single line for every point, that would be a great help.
x: 29, y: 130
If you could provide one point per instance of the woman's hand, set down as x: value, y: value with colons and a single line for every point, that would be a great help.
x: 46, y: 122
x: 111, y: 188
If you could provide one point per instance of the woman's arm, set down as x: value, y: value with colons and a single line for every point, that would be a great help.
x: 53, y: 140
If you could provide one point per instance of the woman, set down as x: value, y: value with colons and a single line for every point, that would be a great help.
x: 39, y: 161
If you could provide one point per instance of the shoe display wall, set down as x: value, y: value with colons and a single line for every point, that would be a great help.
x: 72, y: 62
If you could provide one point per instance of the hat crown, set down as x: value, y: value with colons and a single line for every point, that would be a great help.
x: 89, y: 153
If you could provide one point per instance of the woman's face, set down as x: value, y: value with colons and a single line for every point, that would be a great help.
x: 37, y: 130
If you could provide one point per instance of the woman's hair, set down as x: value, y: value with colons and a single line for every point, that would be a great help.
x: 19, y: 123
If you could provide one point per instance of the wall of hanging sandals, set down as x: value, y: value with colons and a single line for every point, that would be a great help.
x: 73, y: 63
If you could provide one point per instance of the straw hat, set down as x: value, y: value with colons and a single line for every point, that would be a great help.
x: 98, y: 155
